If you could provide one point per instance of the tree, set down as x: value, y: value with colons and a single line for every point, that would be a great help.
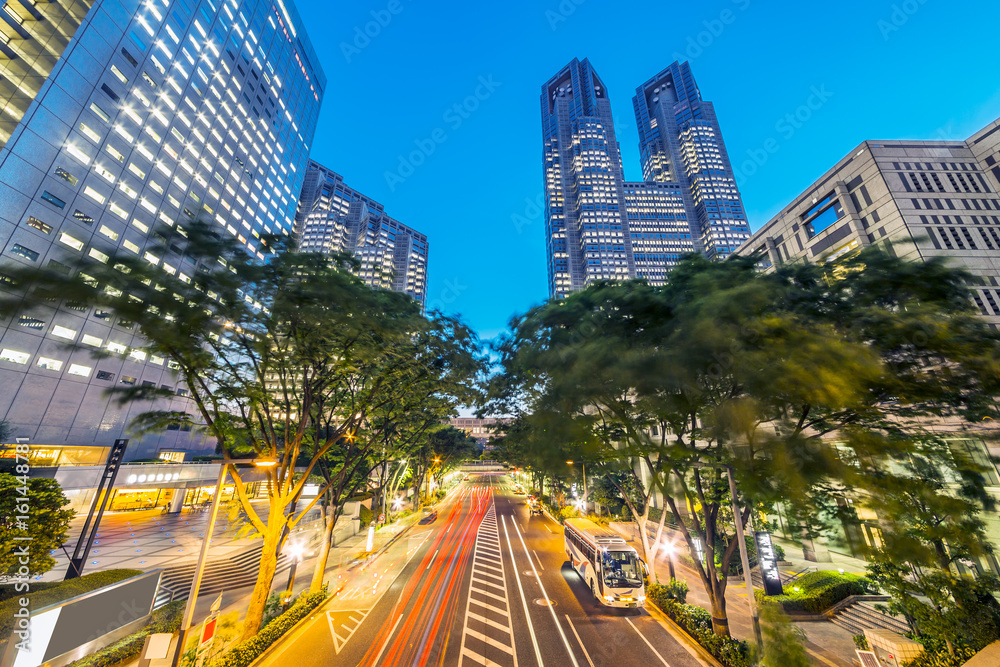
x: 784, y: 642
x: 728, y: 374
x: 284, y: 359
x: 46, y: 525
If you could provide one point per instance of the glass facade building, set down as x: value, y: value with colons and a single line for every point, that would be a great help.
x: 335, y: 218
x: 599, y: 226
x: 680, y: 141
x: 128, y: 115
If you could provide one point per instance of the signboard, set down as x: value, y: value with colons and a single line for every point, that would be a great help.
x: 83, y: 625
x: 768, y: 564
x: 208, y: 631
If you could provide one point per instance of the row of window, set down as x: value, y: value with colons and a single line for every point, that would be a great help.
x: 79, y: 370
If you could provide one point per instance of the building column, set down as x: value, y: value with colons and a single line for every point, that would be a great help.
x: 772, y: 251
x: 815, y: 550
x: 177, y: 501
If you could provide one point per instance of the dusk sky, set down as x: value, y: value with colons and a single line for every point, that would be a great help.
x: 919, y: 69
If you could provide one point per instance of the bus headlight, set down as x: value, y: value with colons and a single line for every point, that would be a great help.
x: 642, y: 598
x: 609, y: 598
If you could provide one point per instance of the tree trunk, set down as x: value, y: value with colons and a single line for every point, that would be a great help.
x: 265, y: 577
x: 720, y: 620
x: 324, y: 552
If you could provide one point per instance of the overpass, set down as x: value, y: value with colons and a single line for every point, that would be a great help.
x: 481, y: 466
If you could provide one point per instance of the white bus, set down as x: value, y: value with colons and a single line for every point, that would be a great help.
x: 606, y: 563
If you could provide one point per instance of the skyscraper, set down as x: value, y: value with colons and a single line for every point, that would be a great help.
x: 599, y: 226
x: 131, y: 114
x: 334, y: 218
x: 680, y: 142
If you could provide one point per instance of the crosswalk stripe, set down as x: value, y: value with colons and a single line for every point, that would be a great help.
x: 485, y: 592
x: 488, y: 621
x: 482, y: 660
x: 489, y: 641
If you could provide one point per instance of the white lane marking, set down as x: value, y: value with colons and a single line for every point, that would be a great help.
x: 546, y: 596
x: 538, y: 559
x: 576, y: 634
x: 520, y: 588
x: 487, y: 541
x: 379, y: 656
x: 647, y: 642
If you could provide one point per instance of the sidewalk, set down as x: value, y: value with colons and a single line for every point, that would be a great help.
x: 828, y: 644
x: 340, y: 563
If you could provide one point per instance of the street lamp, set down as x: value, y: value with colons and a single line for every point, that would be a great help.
x: 200, y: 568
x: 669, y: 549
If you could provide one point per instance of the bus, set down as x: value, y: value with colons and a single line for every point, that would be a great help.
x: 607, y: 564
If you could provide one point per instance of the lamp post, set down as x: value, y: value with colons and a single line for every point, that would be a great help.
x: 669, y: 549
x: 584, y: 466
x: 199, y: 570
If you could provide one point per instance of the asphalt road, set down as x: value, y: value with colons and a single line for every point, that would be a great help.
x: 484, y: 584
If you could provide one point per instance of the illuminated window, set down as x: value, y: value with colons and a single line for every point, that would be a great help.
x: 49, y: 364
x: 77, y: 369
x: 63, y: 332
x: 110, y: 233
x: 14, y: 356
x: 93, y: 341
x: 72, y: 242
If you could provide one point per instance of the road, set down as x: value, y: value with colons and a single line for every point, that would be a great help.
x: 482, y: 584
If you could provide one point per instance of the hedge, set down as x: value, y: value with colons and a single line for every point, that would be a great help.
x: 698, y: 623
x: 165, y: 619
x: 43, y: 594
x: 818, y: 591
x: 249, y: 650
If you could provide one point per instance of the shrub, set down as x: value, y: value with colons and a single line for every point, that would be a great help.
x: 818, y: 591
x: 366, y: 516
x: 44, y: 594
x: 165, y: 619
x: 248, y: 651
x: 698, y: 623
x: 678, y: 590
x: 861, y: 643
x: 567, y: 513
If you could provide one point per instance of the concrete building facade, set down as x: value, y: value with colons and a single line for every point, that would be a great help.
x: 130, y: 115
x: 917, y: 199
x: 335, y: 218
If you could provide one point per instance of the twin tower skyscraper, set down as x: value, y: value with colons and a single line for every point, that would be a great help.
x: 599, y: 226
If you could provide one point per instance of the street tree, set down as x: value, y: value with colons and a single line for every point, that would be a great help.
x: 284, y: 359
x: 728, y: 375
x: 26, y: 544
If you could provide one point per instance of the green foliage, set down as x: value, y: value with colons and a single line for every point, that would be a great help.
x: 784, y: 642
x: 367, y: 516
x: 818, y: 591
x: 45, y: 594
x: 941, y: 658
x: 698, y: 623
x: 47, y: 524
x: 166, y: 619
x: 861, y: 642
x: 249, y: 650
x: 736, y: 565
x: 676, y: 590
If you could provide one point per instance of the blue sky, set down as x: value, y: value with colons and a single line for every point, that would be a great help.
x: 917, y: 69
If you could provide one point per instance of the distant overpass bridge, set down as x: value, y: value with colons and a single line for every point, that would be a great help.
x: 481, y: 466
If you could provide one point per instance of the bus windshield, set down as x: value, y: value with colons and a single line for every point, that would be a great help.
x: 622, y: 569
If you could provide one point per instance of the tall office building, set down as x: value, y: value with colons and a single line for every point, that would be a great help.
x: 122, y: 115
x: 917, y: 199
x: 599, y: 226
x: 680, y: 141
x: 334, y: 218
